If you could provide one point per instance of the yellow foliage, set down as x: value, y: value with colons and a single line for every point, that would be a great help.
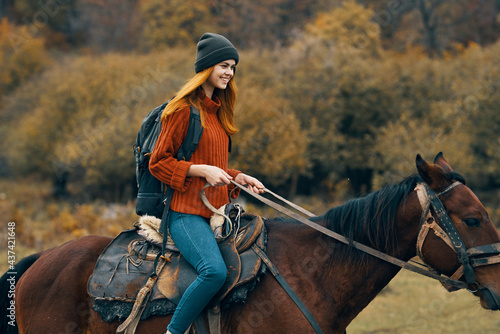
x: 402, y: 140
x: 78, y: 233
x: 271, y: 143
x: 350, y: 26
x: 42, y: 223
x: 21, y: 56
x: 92, y: 115
x: 334, y: 101
x: 87, y: 218
x: 113, y: 230
x: 175, y: 22
x: 52, y: 210
x: 65, y: 222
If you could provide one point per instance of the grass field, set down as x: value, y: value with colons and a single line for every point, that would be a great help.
x: 413, y: 304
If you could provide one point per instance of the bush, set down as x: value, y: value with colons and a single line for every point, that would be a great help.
x: 21, y: 56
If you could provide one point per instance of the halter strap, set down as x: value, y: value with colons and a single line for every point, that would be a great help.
x: 449, y: 234
x: 447, y: 190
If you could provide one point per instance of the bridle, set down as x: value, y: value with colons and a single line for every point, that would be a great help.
x: 468, y: 258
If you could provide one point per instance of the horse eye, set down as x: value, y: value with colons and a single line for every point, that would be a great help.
x: 472, y: 222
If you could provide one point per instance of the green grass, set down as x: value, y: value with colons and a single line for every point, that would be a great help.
x: 413, y: 304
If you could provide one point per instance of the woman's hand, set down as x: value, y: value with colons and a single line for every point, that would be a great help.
x: 219, y: 177
x: 214, y: 175
x: 253, y: 184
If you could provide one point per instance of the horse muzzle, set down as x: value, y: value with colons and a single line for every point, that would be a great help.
x: 489, y: 299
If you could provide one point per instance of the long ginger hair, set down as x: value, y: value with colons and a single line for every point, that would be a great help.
x: 189, y: 94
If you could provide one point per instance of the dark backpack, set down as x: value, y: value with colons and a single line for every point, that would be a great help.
x: 153, y: 197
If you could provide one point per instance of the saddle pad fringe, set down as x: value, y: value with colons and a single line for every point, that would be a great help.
x: 149, y: 226
x: 130, y: 324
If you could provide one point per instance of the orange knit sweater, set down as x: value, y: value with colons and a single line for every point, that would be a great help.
x: 211, y: 150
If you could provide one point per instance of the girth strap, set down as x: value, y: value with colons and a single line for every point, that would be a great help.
x: 287, y: 288
x: 199, y: 323
x: 213, y: 315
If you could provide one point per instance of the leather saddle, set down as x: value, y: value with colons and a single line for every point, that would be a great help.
x: 129, y: 261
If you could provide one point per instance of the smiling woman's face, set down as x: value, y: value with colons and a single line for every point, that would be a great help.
x: 221, y: 75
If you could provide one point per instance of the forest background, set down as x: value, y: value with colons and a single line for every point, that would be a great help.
x: 336, y: 99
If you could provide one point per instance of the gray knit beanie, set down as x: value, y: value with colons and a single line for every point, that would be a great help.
x: 213, y: 49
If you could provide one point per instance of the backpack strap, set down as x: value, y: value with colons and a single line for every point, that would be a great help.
x: 187, y: 149
x: 194, y: 132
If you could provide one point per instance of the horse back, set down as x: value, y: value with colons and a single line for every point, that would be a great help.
x: 53, y: 288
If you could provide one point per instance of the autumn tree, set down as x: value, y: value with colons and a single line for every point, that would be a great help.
x: 438, y: 25
x: 253, y: 24
x: 478, y: 104
x: 106, y: 25
x: 170, y: 23
x: 322, y: 105
x: 271, y: 144
x: 21, y: 55
x: 456, y: 113
x: 84, y: 127
x: 48, y: 19
x: 336, y: 87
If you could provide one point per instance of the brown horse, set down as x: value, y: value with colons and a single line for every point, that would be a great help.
x: 334, y: 281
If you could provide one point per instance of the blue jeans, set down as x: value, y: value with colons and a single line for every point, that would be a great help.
x: 194, y: 238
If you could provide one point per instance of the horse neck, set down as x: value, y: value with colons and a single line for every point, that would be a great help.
x: 361, y: 283
x: 408, y: 225
x: 313, y: 264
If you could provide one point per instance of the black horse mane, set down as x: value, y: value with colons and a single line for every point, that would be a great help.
x: 370, y: 220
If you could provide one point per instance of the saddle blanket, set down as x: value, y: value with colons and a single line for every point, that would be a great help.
x: 129, y: 260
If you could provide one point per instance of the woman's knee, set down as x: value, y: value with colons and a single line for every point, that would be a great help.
x: 215, y: 273
x: 221, y: 275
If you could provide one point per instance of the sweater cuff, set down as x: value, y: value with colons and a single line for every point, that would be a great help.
x: 180, y: 181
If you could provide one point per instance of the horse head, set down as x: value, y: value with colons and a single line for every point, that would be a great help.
x: 457, y: 237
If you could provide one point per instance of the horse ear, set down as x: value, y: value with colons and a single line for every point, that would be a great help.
x: 423, y: 169
x: 441, y: 162
x: 431, y: 174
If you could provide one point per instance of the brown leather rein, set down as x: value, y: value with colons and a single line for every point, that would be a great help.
x: 467, y: 257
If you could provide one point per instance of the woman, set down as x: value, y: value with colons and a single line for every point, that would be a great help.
x: 213, y: 91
